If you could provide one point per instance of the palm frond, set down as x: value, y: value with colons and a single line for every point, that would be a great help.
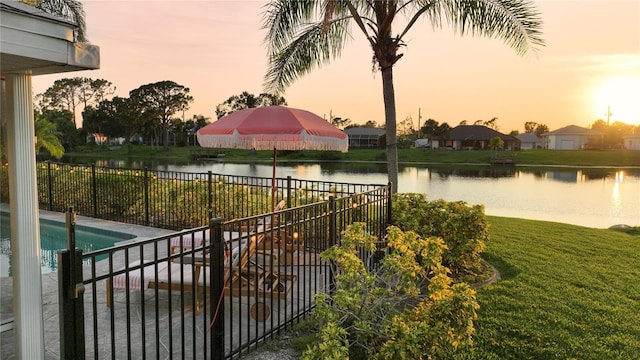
x: 48, y: 136
x: 313, y: 45
x: 282, y: 19
x: 517, y: 22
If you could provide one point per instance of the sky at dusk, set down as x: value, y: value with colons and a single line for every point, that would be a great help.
x: 591, y: 61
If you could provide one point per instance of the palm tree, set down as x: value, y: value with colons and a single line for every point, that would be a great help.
x: 305, y: 34
x: 47, y: 136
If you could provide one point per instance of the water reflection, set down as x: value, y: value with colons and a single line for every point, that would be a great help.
x: 472, y: 172
x: 596, y: 197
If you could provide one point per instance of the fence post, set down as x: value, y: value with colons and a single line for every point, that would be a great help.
x: 50, y: 185
x: 389, y: 207
x: 332, y: 240
x: 289, y: 214
x: 210, y: 195
x: 216, y: 289
x: 289, y: 191
x: 94, y: 183
x: 70, y: 296
x: 146, y: 195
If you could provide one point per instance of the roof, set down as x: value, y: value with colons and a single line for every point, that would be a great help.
x: 364, y: 131
x: 477, y: 132
x: 528, y: 137
x: 573, y: 130
x: 20, y: 7
x: 35, y: 41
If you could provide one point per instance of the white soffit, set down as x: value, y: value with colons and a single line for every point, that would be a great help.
x: 32, y: 40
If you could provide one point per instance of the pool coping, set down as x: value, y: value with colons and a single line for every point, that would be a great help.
x: 49, y: 280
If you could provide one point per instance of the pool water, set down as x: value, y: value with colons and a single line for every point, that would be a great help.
x: 53, y: 237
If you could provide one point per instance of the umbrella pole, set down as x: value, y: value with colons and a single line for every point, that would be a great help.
x: 273, y: 181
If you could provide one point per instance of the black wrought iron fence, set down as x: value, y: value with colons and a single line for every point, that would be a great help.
x: 212, y: 292
x: 169, y: 199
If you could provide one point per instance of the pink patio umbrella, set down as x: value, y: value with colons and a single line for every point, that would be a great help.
x: 273, y: 127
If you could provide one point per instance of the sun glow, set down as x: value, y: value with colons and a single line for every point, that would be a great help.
x: 619, y: 96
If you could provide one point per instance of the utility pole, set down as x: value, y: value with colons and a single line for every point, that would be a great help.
x: 419, y: 117
x: 608, y: 114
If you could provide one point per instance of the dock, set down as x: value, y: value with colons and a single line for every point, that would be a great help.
x: 503, y: 160
x: 206, y: 154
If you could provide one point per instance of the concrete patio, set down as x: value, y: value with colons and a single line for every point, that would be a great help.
x: 172, y: 333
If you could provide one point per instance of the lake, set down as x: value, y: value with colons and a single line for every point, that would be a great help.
x: 593, y: 197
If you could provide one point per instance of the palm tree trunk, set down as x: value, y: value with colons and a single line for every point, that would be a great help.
x: 390, y: 118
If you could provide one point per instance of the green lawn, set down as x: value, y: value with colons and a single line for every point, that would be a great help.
x: 566, y: 292
x: 406, y: 156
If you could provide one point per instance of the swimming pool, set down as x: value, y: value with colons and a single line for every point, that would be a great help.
x: 53, y: 237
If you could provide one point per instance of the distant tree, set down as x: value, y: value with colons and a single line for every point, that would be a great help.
x: 193, y: 125
x: 246, y: 100
x: 430, y: 127
x: 370, y: 123
x: 93, y: 91
x: 340, y: 122
x: 617, y: 131
x: 541, y: 129
x: 178, y: 128
x: 463, y: 122
x: 600, y: 125
x: 530, y: 126
x: 405, y: 127
x: 514, y: 133
x: 114, y: 118
x: 68, y: 93
x: 614, y: 133
x: 159, y: 102
x: 492, y: 124
x: 444, y: 130
x: 48, y: 137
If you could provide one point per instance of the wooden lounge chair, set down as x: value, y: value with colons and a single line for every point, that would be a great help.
x: 196, y: 239
x: 164, y: 276
x: 243, y: 275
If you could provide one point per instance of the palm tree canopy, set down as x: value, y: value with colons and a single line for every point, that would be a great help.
x: 304, y: 34
x: 47, y: 136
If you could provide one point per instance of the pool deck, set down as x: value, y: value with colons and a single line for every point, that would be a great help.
x: 308, y: 283
x: 50, y: 285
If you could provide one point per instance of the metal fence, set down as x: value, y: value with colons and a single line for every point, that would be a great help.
x: 216, y: 291
x: 169, y: 199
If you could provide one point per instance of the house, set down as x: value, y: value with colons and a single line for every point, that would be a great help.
x: 632, y: 142
x: 97, y: 138
x: 32, y: 43
x: 367, y: 137
x: 530, y: 140
x: 474, y: 137
x: 573, y: 137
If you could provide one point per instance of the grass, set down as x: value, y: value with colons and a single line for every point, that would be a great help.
x: 566, y: 292
x: 603, y: 158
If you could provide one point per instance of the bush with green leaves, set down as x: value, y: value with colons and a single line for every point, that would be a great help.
x: 408, y: 308
x: 463, y: 228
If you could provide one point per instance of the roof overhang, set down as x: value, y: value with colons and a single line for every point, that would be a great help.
x: 32, y: 41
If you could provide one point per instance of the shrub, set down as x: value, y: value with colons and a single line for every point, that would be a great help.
x: 463, y: 228
x: 406, y: 309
